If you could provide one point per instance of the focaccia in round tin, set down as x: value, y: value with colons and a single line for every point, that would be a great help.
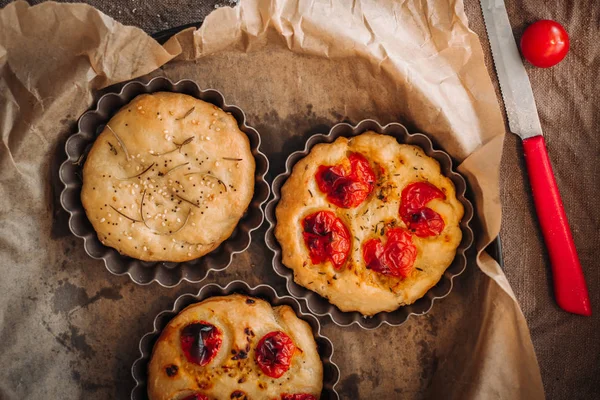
x: 168, y: 178
x: 368, y: 223
x: 235, y: 347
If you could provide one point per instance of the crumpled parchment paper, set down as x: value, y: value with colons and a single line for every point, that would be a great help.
x: 68, y: 329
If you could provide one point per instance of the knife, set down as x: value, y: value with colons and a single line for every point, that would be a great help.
x: 570, y: 288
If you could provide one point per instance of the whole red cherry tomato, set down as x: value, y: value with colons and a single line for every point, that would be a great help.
x: 274, y: 353
x: 545, y: 43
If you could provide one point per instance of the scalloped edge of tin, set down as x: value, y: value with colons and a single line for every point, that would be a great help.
x: 167, y: 274
x: 320, y: 306
x: 331, y: 372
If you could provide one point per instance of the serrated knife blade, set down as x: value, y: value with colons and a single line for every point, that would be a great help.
x: 521, y: 111
x: 570, y: 288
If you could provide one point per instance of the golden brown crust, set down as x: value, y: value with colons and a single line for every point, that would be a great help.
x: 354, y: 287
x: 242, y: 324
x: 190, y: 163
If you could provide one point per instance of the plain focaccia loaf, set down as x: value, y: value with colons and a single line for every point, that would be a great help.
x: 354, y: 287
x: 188, y: 161
x: 243, y: 321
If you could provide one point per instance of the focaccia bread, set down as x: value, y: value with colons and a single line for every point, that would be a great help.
x: 235, y: 347
x: 168, y: 178
x: 368, y: 223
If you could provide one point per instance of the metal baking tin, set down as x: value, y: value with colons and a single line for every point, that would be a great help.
x: 331, y: 372
x: 167, y: 274
x: 319, y: 305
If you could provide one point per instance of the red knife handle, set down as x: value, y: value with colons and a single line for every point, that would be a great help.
x: 570, y: 289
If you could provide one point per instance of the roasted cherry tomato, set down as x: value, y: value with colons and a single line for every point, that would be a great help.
x: 395, y: 258
x: 196, y: 396
x: 200, y: 342
x: 421, y: 220
x: 327, y: 238
x: 545, y: 43
x: 301, y: 396
x: 347, y: 184
x: 274, y: 353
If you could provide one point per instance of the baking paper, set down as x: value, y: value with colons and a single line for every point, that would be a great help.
x: 69, y: 329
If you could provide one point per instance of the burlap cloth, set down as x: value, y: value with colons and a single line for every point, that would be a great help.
x: 567, y: 346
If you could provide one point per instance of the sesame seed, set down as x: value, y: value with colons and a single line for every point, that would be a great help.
x: 137, y: 168
x: 216, y: 163
x: 130, y: 237
x: 218, y: 129
x: 145, y: 248
x: 189, y: 254
x: 140, y: 107
x: 103, y: 219
x: 142, y: 112
x: 208, y: 138
x: 166, y: 131
x: 193, y: 224
x: 215, y: 114
x: 151, y: 151
x: 178, y: 219
x: 109, y: 215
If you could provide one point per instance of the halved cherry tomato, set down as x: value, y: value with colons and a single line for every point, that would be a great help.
x: 200, y: 342
x: 395, y: 258
x: 301, y: 396
x: 545, y: 43
x: 347, y: 184
x: 327, y: 238
x: 274, y: 353
x: 421, y: 220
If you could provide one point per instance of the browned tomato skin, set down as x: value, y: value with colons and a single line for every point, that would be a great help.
x: 421, y: 220
x: 274, y: 353
x: 327, y: 238
x: 200, y: 342
x: 395, y: 258
x: 347, y: 186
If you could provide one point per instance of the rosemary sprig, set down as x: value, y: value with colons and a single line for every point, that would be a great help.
x: 187, y: 217
x: 232, y: 159
x: 120, y: 141
x: 173, y: 169
x: 154, y: 230
x: 140, y: 174
x: 203, y: 174
x: 142, y: 211
x: 126, y: 216
x: 187, y: 114
x: 178, y: 146
x: 113, y: 149
x: 79, y: 160
x: 187, y: 201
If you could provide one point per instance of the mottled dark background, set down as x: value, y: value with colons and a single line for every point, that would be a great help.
x: 568, y: 346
